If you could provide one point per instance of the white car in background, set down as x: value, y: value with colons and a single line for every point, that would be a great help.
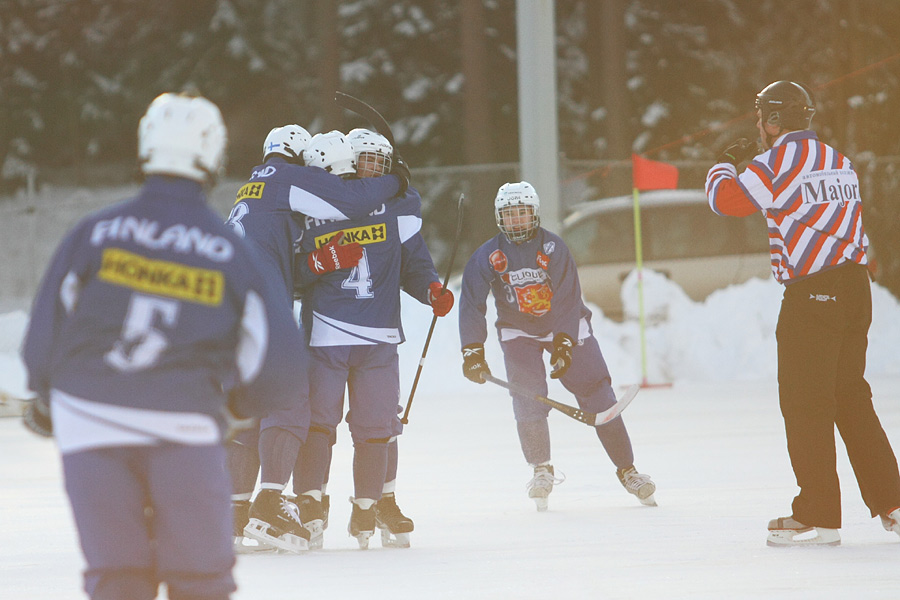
x: 682, y: 239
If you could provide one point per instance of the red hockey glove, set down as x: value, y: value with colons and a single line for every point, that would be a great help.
x: 561, y: 357
x: 474, y: 365
x: 441, y: 299
x: 332, y: 256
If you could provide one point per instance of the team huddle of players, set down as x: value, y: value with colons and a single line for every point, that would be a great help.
x: 346, y: 247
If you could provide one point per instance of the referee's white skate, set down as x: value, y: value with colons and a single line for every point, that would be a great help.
x: 891, y: 520
x: 786, y: 531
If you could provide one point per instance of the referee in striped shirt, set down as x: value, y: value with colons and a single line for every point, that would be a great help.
x: 810, y: 197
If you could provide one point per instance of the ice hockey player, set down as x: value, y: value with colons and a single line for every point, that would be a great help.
x: 809, y: 195
x: 151, y: 327
x: 279, y: 190
x: 537, y: 293
x: 353, y: 323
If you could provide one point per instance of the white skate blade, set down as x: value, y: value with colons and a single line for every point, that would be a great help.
x: 891, y: 522
x: 316, y: 531
x: 648, y: 501
x: 541, y: 503
x: 394, y: 540
x: 363, y: 539
x: 811, y: 536
x: 288, y: 542
x: 244, y: 545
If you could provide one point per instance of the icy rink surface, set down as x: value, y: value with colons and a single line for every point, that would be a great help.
x: 713, y: 442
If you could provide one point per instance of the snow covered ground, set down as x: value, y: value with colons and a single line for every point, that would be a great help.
x: 713, y: 442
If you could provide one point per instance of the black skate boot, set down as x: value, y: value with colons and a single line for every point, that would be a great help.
x: 394, y: 525
x: 312, y: 515
x: 276, y: 522
x: 362, y: 524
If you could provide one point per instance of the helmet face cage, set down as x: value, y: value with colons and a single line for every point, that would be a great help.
x: 331, y: 151
x: 786, y: 104
x: 372, y: 151
x: 183, y: 136
x: 289, y: 141
x: 517, y: 210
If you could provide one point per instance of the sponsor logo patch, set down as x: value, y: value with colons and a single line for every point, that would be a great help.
x: 368, y: 234
x: 543, y: 261
x: 837, y: 185
x: 250, y: 191
x: 498, y: 260
x: 163, y: 278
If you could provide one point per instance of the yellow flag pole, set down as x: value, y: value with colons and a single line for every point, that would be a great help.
x: 638, y: 251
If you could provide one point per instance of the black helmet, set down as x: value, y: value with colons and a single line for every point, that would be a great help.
x: 786, y: 104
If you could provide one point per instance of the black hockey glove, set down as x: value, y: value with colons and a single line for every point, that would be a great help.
x: 561, y: 357
x: 401, y: 170
x: 475, y: 368
x: 37, y: 417
x: 739, y: 151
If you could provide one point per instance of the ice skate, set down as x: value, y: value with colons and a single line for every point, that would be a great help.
x: 394, y: 525
x: 276, y: 522
x: 244, y: 545
x: 542, y: 484
x: 638, y: 484
x: 362, y: 524
x: 787, y: 531
x: 891, y: 520
x: 312, y: 515
x: 326, y: 506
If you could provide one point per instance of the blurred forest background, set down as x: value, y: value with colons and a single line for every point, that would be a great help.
x: 674, y: 81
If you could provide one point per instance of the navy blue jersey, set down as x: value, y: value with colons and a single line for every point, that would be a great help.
x: 155, y: 304
x: 362, y: 305
x: 535, y: 286
x: 277, y: 190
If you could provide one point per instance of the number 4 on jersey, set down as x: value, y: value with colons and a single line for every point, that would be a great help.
x: 360, y: 279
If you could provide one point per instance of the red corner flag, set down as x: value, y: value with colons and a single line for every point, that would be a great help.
x: 653, y: 175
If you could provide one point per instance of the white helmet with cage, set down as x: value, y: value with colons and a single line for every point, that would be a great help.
x: 517, y: 209
x: 182, y: 135
x: 289, y: 141
x: 330, y: 151
x: 372, y: 151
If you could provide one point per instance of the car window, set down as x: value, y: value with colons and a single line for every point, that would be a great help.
x: 668, y: 232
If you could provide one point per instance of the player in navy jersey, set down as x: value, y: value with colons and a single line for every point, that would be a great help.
x: 151, y: 325
x: 537, y: 293
x: 353, y: 323
x: 280, y: 189
x: 809, y: 195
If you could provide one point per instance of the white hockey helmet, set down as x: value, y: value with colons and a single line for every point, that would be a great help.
x: 330, y: 151
x: 182, y: 135
x: 289, y: 141
x: 517, y: 209
x: 372, y: 151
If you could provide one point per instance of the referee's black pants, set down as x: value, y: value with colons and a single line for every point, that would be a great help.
x: 822, y: 336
